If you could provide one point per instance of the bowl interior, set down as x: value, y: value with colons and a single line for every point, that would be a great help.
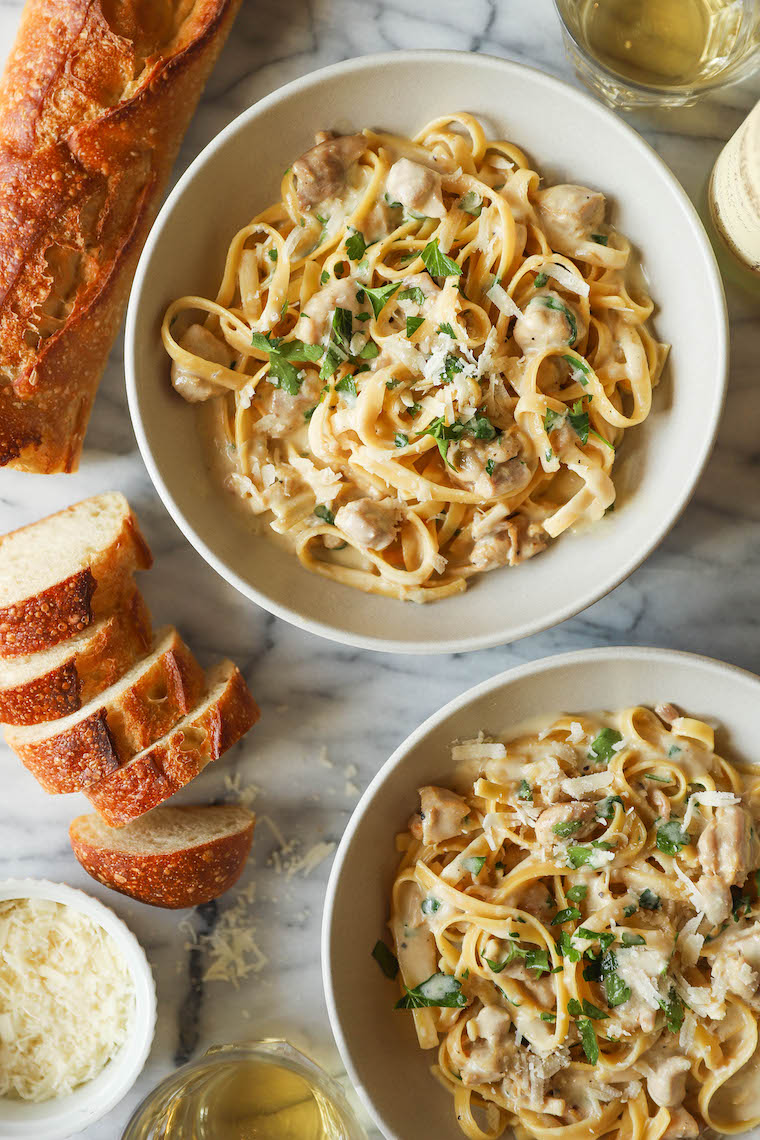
x: 377, y: 1043
x: 658, y: 464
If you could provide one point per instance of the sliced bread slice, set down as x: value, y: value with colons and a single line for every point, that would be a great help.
x: 59, y: 574
x: 58, y: 681
x: 70, y: 754
x: 172, y: 856
x: 225, y: 714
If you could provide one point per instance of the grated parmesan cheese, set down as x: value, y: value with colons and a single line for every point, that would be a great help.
x: 578, y: 786
x: 503, y: 301
x: 66, y: 999
x: 709, y: 799
x: 477, y: 750
x: 570, y: 281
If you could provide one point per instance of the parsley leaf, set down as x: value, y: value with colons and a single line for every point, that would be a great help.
x: 577, y: 893
x: 447, y: 330
x: 337, y: 348
x: 567, y: 827
x: 672, y: 1007
x: 577, y: 366
x: 537, y: 960
x: 558, y: 306
x: 324, y: 277
x: 605, y: 809
x: 272, y: 254
x: 412, y: 324
x: 324, y: 513
x: 282, y: 373
x: 616, y: 990
x: 648, y: 900
x: 400, y: 439
x: 441, y: 990
x: 413, y: 293
x: 633, y: 939
x: 451, y: 366
x: 602, y: 745
x: 471, y: 203
x: 386, y: 959
x: 629, y: 910
x: 437, y: 263
x: 378, y: 297
x: 346, y: 385
x: 490, y: 464
x: 443, y: 433
x: 588, y: 1040
x: 430, y: 905
x: 566, y: 948
x: 540, y: 280
x: 356, y: 246
x: 579, y: 421
x: 577, y: 856
x: 474, y: 864
x: 658, y: 779
x: 600, y: 239
x: 569, y: 914
x: 671, y: 837
x: 524, y: 791
x: 370, y: 351
x: 552, y: 419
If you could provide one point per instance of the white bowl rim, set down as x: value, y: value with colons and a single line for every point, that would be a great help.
x: 70, y: 1121
x: 611, y: 654
x: 463, y: 644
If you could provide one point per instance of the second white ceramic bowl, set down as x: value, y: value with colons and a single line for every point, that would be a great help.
x: 378, y: 1044
x: 569, y: 137
x: 68, y: 1115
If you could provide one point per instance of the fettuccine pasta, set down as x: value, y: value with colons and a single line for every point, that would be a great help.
x: 418, y: 365
x: 577, y: 931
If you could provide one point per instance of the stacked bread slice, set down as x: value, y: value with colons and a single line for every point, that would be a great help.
x: 91, y: 700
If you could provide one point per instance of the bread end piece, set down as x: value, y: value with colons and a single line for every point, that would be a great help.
x: 173, y: 857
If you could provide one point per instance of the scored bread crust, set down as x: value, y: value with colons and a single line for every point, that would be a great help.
x: 72, y: 757
x: 170, y: 879
x: 94, y: 102
x: 85, y: 666
x: 72, y: 604
x: 169, y: 764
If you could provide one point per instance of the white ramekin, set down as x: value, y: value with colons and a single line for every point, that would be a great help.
x: 65, y: 1116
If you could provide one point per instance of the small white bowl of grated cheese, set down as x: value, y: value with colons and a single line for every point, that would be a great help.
x: 77, y: 1042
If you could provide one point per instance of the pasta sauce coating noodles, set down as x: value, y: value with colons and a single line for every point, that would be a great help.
x: 419, y: 363
x: 576, y: 926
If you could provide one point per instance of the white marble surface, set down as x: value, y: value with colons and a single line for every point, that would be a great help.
x: 700, y: 591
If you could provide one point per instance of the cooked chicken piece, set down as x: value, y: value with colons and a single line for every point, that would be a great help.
x: 682, y: 1126
x: 370, y: 522
x: 728, y: 846
x: 540, y: 988
x: 490, y: 467
x: 660, y: 803
x: 316, y: 318
x: 667, y: 712
x: 321, y: 172
x: 715, y: 899
x: 491, y: 1051
x: 198, y: 340
x: 548, y: 321
x: 666, y: 1081
x: 737, y: 963
x: 573, y: 821
x: 440, y: 816
x: 416, y: 187
x: 569, y: 215
x: 510, y: 543
x: 284, y: 413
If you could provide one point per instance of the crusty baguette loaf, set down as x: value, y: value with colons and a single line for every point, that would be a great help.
x: 94, y: 102
x: 69, y: 755
x: 172, y: 857
x: 224, y: 715
x: 58, y: 681
x: 59, y: 574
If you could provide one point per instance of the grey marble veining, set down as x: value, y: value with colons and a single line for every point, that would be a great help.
x: 326, y: 728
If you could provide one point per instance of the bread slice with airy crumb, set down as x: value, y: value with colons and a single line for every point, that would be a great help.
x: 58, y: 575
x: 70, y: 754
x: 56, y: 682
x: 224, y: 714
x: 171, y: 857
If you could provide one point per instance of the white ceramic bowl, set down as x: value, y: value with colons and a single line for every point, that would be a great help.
x: 378, y: 1044
x: 570, y: 137
x: 66, y: 1116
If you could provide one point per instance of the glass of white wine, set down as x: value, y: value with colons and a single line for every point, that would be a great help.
x: 666, y: 53
x: 264, y: 1090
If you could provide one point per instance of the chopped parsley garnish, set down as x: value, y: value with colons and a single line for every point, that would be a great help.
x: 566, y: 948
x: 272, y: 254
x: 370, y: 351
x: 671, y: 837
x: 579, y: 421
x: 577, y: 856
x: 658, y: 779
x: 672, y: 1007
x: 629, y: 910
x: 541, y: 279
x: 413, y: 293
x: 602, y: 745
x: 588, y: 1040
x: 341, y: 269
x: 441, y: 990
x: 479, y: 426
x: 578, y: 365
x: 552, y: 419
x: 673, y: 751
x: 437, y: 263
x: 558, y: 306
x: 648, y: 900
x: 386, y: 960
x: 412, y: 324
x: 569, y: 914
x: 324, y: 513
x: 524, y: 791
x: 391, y: 384
x: 600, y: 239
x: 490, y: 464
x: 576, y: 1009
x: 337, y: 348
x: 615, y: 989
x: 537, y: 960
x: 346, y: 385
x: 633, y: 939
x: 741, y: 904
x: 400, y: 439
x: 497, y: 967
x: 471, y: 203
x: 324, y: 277
x: 567, y: 827
x: 356, y: 246
x: 474, y: 864
x: 363, y: 316
x: 282, y: 373
x: 378, y: 297
x: 430, y: 905
x: 447, y: 330
x: 605, y: 809
x: 546, y: 1016
x: 451, y: 366
x: 309, y: 413
x: 577, y: 893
